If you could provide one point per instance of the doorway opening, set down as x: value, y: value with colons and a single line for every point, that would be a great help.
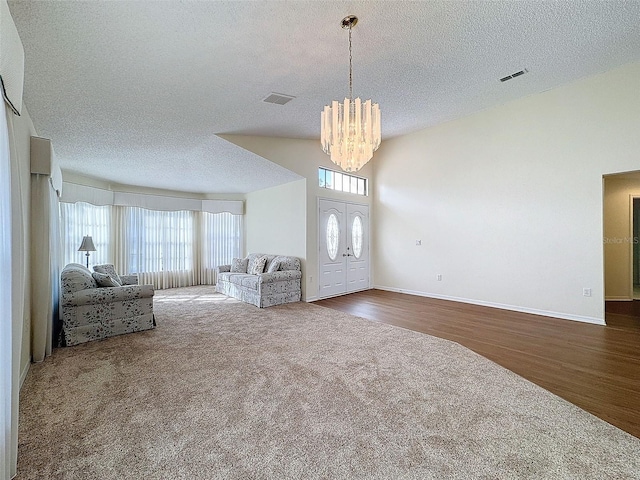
x: 635, y: 246
x: 621, y: 229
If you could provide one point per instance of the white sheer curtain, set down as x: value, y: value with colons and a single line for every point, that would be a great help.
x: 221, y: 240
x: 45, y: 271
x: 165, y: 248
x: 159, y: 246
x: 7, y: 462
x: 80, y: 219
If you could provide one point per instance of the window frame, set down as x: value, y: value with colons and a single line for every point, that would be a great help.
x: 343, y: 182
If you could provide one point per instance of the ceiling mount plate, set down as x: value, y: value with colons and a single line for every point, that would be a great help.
x: 349, y: 22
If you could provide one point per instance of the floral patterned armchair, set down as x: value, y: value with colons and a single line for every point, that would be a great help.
x: 90, y: 312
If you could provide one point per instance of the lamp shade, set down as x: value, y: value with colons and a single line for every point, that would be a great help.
x: 87, y: 244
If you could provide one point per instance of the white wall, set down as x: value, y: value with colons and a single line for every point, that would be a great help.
x: 508, y: 202
x: 618, y: 238
x: 276, y: 221
x: 303, y: 157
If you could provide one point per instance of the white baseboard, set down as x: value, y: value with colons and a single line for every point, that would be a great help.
x: 311, y: 299
x: 23, y: 374
x: 501, y: 306
x: 618, y: 299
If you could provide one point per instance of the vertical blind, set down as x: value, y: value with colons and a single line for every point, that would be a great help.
x: 165, y: 248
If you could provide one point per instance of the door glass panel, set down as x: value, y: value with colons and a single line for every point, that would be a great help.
x: 333, y: 236
x: 356, y: 236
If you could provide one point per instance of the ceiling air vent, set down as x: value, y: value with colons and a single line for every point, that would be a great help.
x: 278, y: 98
x: 514, y: 75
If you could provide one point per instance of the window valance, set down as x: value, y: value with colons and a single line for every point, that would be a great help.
x: 234, y: 207
x: 156, y: 202
x: 44, y: 162
x: 74, y: 193
x: 97, y: 196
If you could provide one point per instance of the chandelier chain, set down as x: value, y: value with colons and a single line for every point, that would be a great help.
x: 350, y: 67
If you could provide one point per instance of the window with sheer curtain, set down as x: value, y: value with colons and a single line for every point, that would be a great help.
x: 159, y: 246
x: 222, y: 241
x: 167, y: 249
x: 80, y: 219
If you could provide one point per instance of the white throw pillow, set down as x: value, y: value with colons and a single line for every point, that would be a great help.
x: 239, y: 265
x: 104, y: 280
x: 257, y: 267
x: 274, y: 266
x: 109, y: 270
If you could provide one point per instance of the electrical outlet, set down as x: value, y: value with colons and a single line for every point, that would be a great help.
x: 439, y: 277
x: 418, y: 242
x: 586, y: 292
x: 310, y: 279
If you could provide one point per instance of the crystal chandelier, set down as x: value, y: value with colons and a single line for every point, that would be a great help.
x: 350, y: 132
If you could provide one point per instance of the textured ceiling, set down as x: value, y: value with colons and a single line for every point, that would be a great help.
x: 135, y: 92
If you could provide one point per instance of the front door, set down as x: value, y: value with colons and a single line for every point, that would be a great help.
x: 344, y: 248
x: 357, y: 230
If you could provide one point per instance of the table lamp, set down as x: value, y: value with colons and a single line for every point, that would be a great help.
x: 87, y: 246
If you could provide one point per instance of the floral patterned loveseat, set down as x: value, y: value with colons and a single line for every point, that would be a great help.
x: 278, y: 282
x: 90, y: 312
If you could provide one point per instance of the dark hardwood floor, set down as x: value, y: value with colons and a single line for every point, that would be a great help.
x: 594, y: 367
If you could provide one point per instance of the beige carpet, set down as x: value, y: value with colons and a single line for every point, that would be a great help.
x: 221, y: 389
